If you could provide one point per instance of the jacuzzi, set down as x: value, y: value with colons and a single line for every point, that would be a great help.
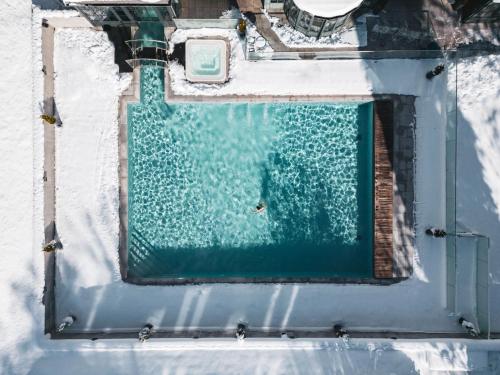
x: 207, y: 60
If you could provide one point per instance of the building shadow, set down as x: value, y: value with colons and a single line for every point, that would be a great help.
x: 118, y: 36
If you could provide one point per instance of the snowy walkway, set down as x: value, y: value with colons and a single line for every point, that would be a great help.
x: 478, y: 153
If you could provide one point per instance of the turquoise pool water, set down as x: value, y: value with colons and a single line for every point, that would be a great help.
x: 198, y: 170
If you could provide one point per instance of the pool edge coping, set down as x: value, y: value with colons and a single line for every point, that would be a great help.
x: 132, y: 95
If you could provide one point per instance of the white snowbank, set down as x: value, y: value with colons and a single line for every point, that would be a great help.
x: 87, y: 87
x: 353, y: 37
x: 21, y: 264
x: 280, y: 357
x: 233, y: 13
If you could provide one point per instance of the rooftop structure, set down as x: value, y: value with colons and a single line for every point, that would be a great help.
x: 117, y: 2
x: 320, y: 18
x: 327, y: 8
x: 316, y: 18
x: 124, y: 13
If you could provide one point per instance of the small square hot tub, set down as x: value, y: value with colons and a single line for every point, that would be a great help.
x: 207, y: 60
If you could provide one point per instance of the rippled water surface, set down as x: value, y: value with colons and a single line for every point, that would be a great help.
x: 197, y: 172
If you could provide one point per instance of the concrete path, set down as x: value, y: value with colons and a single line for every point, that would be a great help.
x: 49, y: 209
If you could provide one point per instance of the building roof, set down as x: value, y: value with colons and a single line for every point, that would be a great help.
x: 328, y: 8
x: 121, y: 2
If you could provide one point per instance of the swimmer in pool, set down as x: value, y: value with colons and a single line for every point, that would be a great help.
x: 261, y: 206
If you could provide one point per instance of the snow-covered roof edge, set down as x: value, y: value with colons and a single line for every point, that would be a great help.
x: 328, y: 8
x: 121, y: 2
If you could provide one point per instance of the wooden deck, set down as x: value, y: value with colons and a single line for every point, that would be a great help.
x: 384, y: 176
x: 203, y: 9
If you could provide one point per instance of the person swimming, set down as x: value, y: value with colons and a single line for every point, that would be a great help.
x: 261, y: 206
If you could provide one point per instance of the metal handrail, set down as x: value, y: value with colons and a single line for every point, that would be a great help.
x: 148, y: 62
x: 135, y: 44
x: 343, y: 54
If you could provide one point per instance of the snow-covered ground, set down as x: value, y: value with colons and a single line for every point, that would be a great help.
x: 353, y: 37
x: 89, y: 284
x: 21, y: 266
x: 306, y: 77
x: 90, y: 267
x: 237, y: 52
x: 87, y: 87
x: 478, y: 172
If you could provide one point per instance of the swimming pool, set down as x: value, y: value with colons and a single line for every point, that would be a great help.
x: 197, y: 171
